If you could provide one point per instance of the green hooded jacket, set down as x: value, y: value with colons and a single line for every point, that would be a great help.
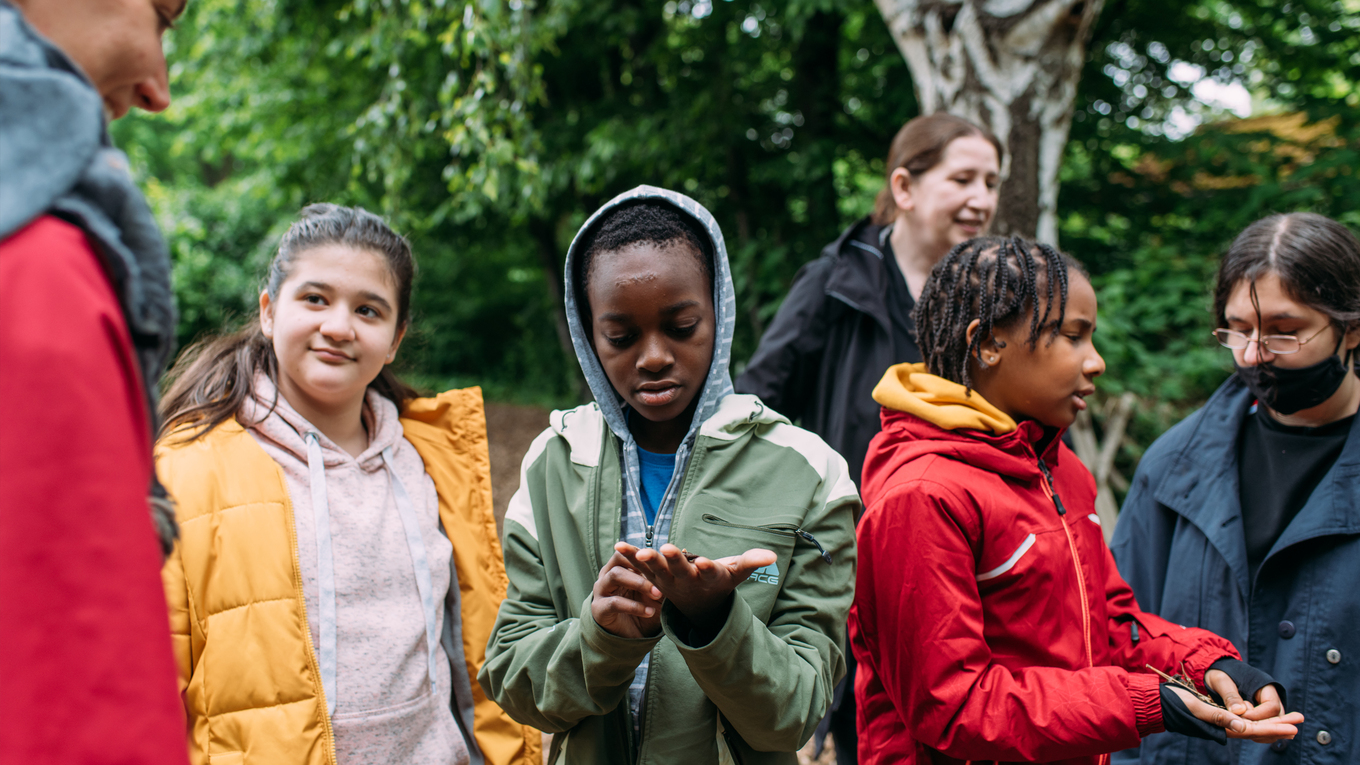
x: 746, y: 478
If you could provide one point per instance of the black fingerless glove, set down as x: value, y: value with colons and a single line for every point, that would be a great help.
x: 1248, y: 679
x: 1176, y: 718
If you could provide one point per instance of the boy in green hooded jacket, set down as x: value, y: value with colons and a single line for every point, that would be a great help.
x: 681, y: 558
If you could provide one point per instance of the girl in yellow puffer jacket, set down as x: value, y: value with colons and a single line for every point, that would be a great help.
x: 338, y: 571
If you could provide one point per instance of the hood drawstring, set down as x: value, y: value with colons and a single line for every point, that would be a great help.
x: 325, y: 568
x: 420, y: 562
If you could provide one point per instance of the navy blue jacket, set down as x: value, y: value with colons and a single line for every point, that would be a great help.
x: 1179, y: 543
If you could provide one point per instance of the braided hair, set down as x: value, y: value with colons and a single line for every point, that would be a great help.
x: 997, y: 281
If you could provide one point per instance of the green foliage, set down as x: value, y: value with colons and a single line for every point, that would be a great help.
x: 488, y: 131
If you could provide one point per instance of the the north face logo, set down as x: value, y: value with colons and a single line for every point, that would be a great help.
x: 766, y: 574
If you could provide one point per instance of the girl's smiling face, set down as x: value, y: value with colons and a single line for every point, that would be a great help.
x: 653, y: 328
x: 1048, y: 383
x: 333, y: 325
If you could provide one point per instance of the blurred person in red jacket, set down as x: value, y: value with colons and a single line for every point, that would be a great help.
x: 86, y: 326
x: 989, y: 621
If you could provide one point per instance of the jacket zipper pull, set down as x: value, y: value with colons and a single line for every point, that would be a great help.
x: 650, y: 529
x: 826, y: 556
x: 1052, y: 490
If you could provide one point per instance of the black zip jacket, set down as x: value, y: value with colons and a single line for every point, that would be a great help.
x: 830, y: 343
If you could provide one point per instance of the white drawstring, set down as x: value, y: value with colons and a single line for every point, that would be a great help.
x: 420, y: 563
x: 325, y: 568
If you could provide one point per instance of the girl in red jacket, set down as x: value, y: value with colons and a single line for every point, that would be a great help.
x: 989, y: 621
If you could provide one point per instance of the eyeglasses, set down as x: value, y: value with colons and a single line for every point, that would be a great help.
x: 1280, y: 345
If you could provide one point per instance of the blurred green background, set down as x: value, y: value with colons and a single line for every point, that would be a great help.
x: 488, y: 131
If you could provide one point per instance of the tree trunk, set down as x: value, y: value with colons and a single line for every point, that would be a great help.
x: 1013, y: 66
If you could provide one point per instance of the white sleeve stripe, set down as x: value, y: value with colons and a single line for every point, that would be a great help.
x: 1010, y: 562
x: 520, y: 509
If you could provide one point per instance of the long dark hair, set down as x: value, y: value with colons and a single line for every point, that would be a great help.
x: 213, y: 377
x: 919, y: 146
x: 1316, y: 259
x: 997, y: 281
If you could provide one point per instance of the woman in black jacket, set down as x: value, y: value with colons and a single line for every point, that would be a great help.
x: 847, y: 317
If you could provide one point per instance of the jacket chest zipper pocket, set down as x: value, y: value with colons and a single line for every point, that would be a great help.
x: 786, y: 529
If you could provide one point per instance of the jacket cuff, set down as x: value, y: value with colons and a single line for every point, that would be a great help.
x: 609, y: 648
x: 1203, y: 660
x: 1146, y: 692
x: 677, y: 628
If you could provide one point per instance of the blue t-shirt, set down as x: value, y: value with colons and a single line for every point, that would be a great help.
x: 657, y: 470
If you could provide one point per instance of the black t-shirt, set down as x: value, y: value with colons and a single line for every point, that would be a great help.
x: 1278, y: 469
x: 900, y: 306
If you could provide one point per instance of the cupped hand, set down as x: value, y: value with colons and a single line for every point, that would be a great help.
x: 623, y: 602
x: 1263, y: 731
x: 700, y: 589
x: 1266, y: 705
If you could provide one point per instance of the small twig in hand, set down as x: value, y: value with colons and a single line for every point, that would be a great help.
x: 1184, y: 682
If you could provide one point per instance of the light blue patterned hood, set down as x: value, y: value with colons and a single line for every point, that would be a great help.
x: 717, y: 385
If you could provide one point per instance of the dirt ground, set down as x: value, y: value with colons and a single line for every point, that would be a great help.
x: 510, y: 429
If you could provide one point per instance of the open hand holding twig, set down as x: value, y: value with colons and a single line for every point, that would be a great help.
x: 1263, y: 721
x: 701, y: 588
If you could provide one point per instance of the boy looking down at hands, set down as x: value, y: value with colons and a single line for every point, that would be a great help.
x: 680, y: 557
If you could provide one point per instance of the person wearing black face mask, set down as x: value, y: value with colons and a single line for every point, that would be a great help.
x: 1245, y: 518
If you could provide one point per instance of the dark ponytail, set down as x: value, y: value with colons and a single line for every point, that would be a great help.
x: 214, y: 377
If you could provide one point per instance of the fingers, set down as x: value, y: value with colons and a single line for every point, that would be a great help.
x: 1226, y: 689
x: 618, y: 575
x: 618, y: 604
x: 1268, y: 731
x: 742, y: 565
x: 1221, y: 718
x: 1268, y: 704
x: 1262, y: 731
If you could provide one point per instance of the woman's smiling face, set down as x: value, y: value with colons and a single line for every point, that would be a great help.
x: 653, y: 326
x: 956, y: 199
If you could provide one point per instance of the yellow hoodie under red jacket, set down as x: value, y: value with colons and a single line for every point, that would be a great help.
x: 248, y: 670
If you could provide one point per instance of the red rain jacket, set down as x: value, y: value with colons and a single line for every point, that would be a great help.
x: 989, y: 620
x: 86, y: 671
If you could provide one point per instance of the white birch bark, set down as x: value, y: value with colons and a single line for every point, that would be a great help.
x: 1012, y: 65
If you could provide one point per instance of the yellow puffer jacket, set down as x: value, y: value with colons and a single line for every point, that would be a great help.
x: 253, y: 692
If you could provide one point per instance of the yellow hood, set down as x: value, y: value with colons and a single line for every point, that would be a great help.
x: 910, y: 388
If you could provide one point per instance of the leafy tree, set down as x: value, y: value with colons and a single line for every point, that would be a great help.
x: 488, y: 131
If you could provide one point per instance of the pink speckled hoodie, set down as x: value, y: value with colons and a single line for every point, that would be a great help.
x: 384, y: 708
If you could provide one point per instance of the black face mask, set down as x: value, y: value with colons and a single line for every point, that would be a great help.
x: 1287, y: 391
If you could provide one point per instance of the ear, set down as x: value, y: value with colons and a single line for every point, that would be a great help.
x: 1352, y: 337
x: 899, y: 183
x: 396, y: 343
x: 988, y: 349
x: 266, y: 315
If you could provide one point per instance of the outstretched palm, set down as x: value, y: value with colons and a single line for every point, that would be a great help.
x: 700, y: 588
